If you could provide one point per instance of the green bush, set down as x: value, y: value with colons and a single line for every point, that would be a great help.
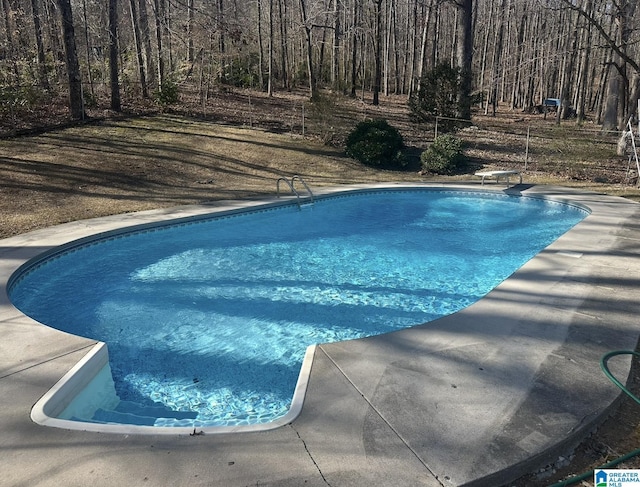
x: 22, y: 97
x: 323, y: 116
x: 376, y: 143
x: 242, y: 72
x: 168, y: 93
x: 90, y: 100
x: 437, y: 98
x: 444, y: 156
x: 437, y: 94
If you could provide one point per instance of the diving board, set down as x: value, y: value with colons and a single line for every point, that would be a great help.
x: 499, y: 174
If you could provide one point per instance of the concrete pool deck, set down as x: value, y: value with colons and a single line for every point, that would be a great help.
x: 477, y: 398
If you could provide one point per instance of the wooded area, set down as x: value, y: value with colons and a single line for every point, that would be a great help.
x: 512, y: 53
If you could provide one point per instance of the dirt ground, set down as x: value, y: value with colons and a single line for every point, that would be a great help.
x: 239, y: 143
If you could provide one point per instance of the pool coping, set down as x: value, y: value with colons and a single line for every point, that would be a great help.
x: 610, y: 224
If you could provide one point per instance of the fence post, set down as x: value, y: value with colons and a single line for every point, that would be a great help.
x: 526, y: 152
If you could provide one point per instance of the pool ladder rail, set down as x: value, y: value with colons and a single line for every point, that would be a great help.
x: 291, y: 184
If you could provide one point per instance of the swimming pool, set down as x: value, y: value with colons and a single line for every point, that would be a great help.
x: 350, y: 266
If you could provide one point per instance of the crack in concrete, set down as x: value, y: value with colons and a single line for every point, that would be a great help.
x: 310, y: 455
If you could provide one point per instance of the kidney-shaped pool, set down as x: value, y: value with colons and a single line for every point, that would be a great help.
x: 207, y: 321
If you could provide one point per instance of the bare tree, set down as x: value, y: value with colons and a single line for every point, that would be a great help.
x: 464, y: 56
x: 159, y: 19
x: 354, y: 47
x: 145, y: 40
x: 497, y: 58
x: 37, y: 29
x: 138, y: 47
x: 76, y: 104
x: 10, y: 27
x: 284, y: 50
x: 270, y: 51
x: 113, y: 56
x: 377, y: 61
x: 423, y: 45
x: 260, y: 46
x: 307, y: 27
x: 337, y: 36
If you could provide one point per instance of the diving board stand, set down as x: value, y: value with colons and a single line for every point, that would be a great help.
x: 499, y: 174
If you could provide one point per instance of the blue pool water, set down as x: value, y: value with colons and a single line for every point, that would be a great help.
x: 207, y: 322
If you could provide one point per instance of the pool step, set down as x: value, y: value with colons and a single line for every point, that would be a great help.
x: 102, y: 416
x: 128, y: 412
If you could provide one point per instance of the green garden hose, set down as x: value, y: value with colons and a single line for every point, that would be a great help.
x: 605, y: 368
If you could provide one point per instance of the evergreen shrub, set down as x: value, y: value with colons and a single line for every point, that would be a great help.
x: 376, y: 143
x: 168, y: 93
x: 444, y: 156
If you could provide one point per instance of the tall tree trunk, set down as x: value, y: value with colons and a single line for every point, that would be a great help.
x: 12, y: 54
x: 313, y: 87
x: 168, y: 34
x: 354, y: 49
x: 396, y: 54
x: 534, y: 31
x: 260, y: 46
x: 435, y: 52
x: 158, y: 11
x: 612, y: 99
x: 335, y: 54
x: 485, y: 50
x: 138, y: 44
x: 634, y: 96
x: 57, y: 47
x: 42, y: 60
x: 411, y: 47
x: 87, y: 47
x: 323, y: 43
x: 497, y: 59
x: 583, y: 80
x: 282, y: 10
x: 601, y: 105
x: 464, y: 57
x: 113, y: 56
x: 76, y: 104
x: 377, y: 61
x: 222, y: 47
x: 516, y: 87
x: 145, y: 34
x: 190, y: 46
x: 387, y: 49
x: 270, y: 53
x: 220, y: 18
x: 423, y: 44
x: 570, y: 49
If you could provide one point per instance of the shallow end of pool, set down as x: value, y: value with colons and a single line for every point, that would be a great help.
x: 50, y: 407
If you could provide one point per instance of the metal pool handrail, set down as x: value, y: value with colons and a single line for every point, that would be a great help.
x: 290, y: 183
